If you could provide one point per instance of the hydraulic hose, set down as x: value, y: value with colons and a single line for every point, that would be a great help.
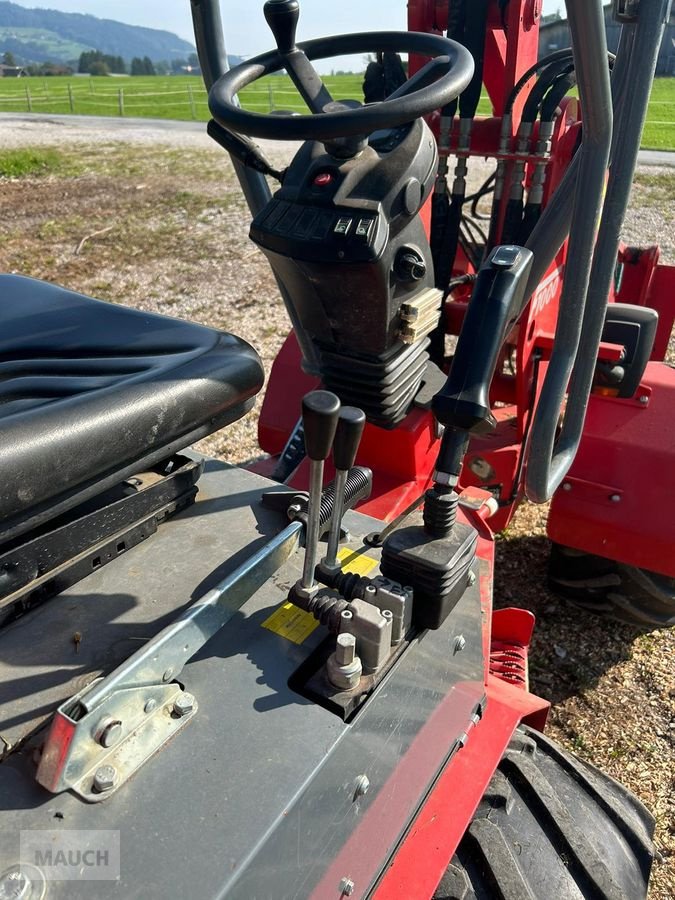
x: 652, y: 18
x: 548, y: 460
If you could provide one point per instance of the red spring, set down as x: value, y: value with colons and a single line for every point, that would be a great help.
x: 511, y: 634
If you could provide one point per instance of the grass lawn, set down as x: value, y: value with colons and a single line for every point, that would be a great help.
x: 184, y: 97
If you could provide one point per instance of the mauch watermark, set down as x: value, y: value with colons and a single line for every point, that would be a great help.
x: 72, y: 855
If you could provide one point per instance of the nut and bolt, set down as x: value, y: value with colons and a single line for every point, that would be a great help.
x: 361, y: 786
x: 183, y: 704
x: 346, y: 887
x: 104, y: 779
x: 345, y: 649
x: 459, y: 644
x: 108, y: 732
x: 344, y: 666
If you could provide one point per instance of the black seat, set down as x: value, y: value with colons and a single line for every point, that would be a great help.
x: 90, y: 391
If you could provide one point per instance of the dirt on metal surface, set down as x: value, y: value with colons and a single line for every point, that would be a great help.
x: 154, y: 219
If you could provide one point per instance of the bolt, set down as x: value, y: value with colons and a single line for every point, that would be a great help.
x: 615, y: 498
x: 150, y: 706
x: 471, y: 578
x: 294, y: 510
x: 168, y: 675
x: 460, y: 643
x: 387, y: 613
x: 567, y: 486
x: 361, y: 786
x: 346, y: 615
x: 345, y: 651
x: 183, y: 704
x: 370, y: 589
x: 643, y: 399
x: 104, y: 779
x: 346, y: 887
x: 109, y: 732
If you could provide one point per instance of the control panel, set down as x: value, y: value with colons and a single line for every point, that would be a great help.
x: 312, y: 232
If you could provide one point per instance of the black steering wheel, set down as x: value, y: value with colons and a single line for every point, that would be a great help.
x: 443, y: 79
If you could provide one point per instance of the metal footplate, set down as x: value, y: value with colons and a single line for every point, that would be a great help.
x: 103, y: 734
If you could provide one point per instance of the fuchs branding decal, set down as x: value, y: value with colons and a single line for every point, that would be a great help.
x: 546, y: 291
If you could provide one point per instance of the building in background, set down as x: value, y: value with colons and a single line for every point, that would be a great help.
x: 554, y: 35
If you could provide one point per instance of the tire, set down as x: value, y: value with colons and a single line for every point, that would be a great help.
x: 551, y: 827
x: 613, y: 589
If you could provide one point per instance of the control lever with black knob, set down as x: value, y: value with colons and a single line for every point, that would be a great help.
x: 351, y: 423
x: 320, y: 411
x: 463, y: 404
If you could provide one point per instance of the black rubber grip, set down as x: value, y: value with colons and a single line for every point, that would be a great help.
x: 282, y: 17
x: 320, y: 411
x: 348, y: 436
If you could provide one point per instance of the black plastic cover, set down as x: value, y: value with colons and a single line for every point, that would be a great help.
x: 89, y: 389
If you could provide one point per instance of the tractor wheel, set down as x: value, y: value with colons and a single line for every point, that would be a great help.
x: 611, y: 588
x: 551, y: 826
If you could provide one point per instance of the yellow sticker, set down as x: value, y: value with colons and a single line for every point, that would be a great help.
x: 295, y: 624
x: 356, y: 561
x: 291, y: 623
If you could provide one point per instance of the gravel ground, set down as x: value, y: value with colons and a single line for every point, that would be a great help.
x: 151, y: 217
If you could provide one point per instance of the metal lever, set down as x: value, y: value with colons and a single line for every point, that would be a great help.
x: 347, y: 439
x: 320, y: 411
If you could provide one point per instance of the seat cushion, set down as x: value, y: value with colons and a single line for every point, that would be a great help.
x: 89, y: 390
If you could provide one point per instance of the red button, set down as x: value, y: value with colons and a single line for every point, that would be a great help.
x: 323, y: 179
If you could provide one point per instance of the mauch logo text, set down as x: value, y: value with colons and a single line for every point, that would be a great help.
x: 73, y: 855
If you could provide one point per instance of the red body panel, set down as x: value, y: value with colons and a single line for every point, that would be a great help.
x: 431, y: 841
x: 627, y: 453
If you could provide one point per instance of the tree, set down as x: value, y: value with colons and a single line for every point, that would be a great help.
x: 99, y: 68
x: 148, y: 67
x: 137, y: 66
x: 8, y: 58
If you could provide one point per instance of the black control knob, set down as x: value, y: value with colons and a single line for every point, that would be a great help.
x: 410, y: 265
x: 320, y: 411
x: 348, y: 437
x: 282, y: 17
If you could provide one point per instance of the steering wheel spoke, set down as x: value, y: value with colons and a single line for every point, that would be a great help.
x: 307, y: 80
x: 445, y: 76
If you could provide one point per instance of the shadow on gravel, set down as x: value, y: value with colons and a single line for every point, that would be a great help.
x: 571, y: 648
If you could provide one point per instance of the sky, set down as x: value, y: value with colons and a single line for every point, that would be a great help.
x: 246, y: 31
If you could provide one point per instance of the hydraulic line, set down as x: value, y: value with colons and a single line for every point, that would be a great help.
x: 505, y: 139
x: 514, y: 208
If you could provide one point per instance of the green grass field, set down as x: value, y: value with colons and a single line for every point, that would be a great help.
x: 184, y: 97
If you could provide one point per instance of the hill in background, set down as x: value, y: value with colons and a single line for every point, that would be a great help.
x: 41, y: 35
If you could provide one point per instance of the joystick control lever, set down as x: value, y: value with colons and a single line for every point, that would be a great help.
x: 350, y: 427
x: 320, y: 411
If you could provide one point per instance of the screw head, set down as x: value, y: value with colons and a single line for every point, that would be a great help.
x: 361, y: 786
x: 459, y: 644
x: 345, y: 649
x: 346, y: 887
x: 104, y: 779
x: 615, y: 498
x: 109, y: 732
x: 150, y: 706
x: 567, y: 486
x: 643, y: 399
x: 183, y: 704
x: 22, y: 882
x: 168, y: 675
